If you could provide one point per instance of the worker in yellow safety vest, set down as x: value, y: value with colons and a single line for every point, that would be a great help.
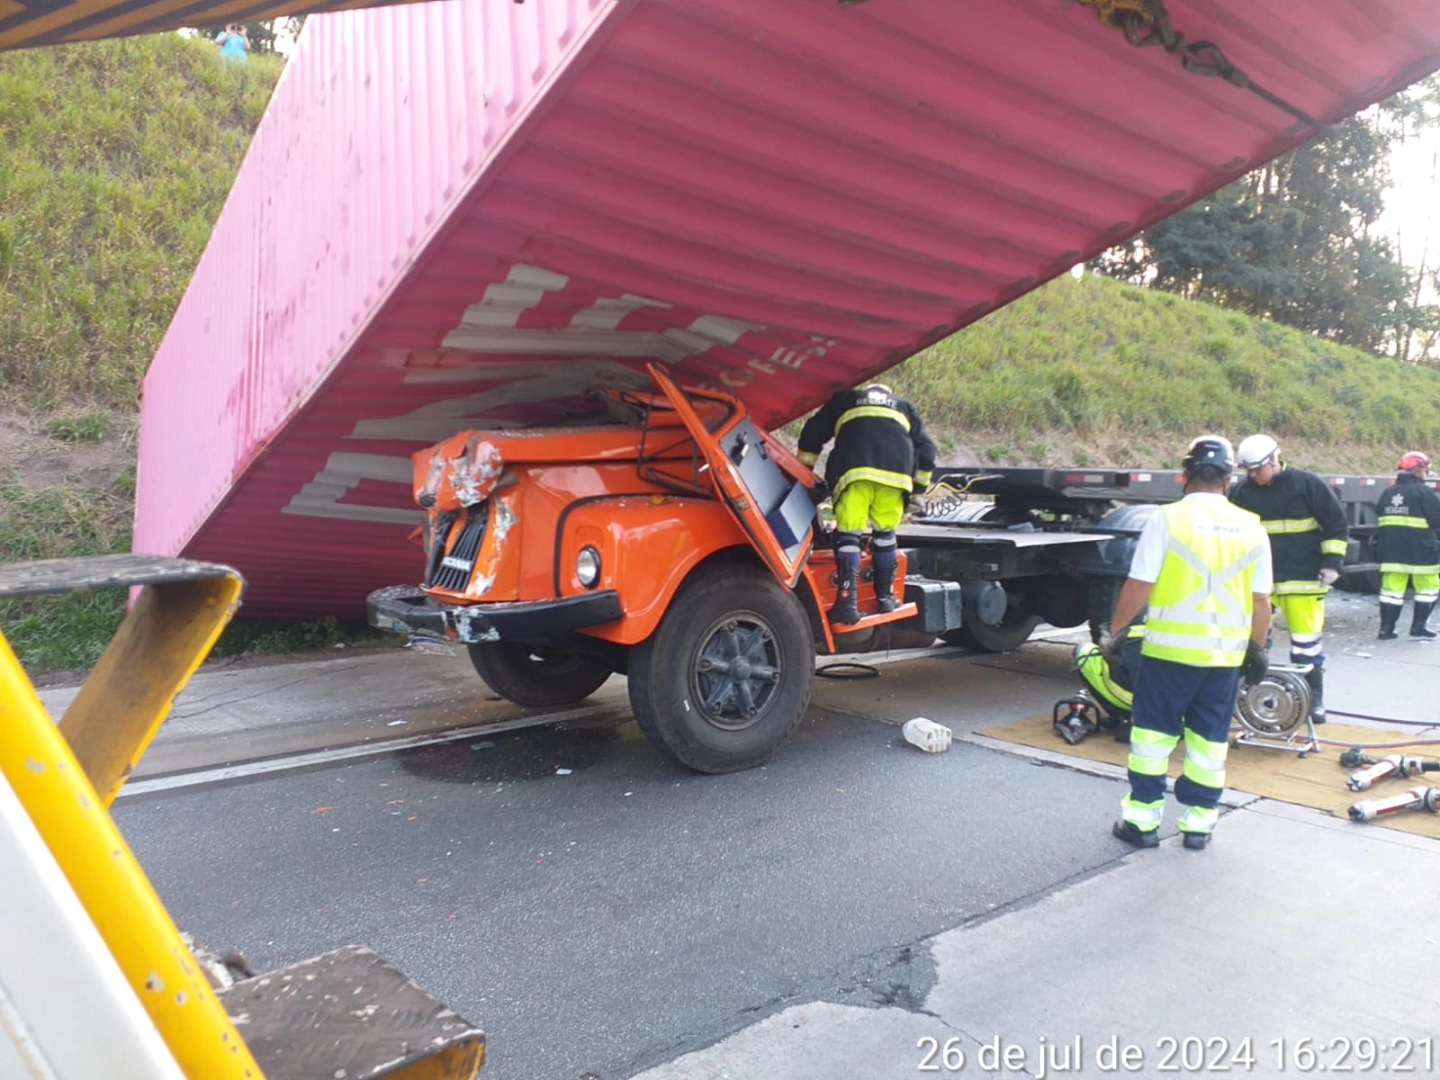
x: 1202, y: 572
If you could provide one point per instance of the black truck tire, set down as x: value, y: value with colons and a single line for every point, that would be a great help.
x: 1012, y: 632
x: 726, y: 676
x: 1014, y: 628
x: 536, y: 676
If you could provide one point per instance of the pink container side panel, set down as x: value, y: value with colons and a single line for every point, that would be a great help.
x: 487, y: 208
x: 379, y: 126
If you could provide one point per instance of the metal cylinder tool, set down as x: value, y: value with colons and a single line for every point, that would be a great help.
x: 1401, y: 765
x: 1417, y: 798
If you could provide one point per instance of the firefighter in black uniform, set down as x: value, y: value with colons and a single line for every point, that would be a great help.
x: 1308, y: 533
x: 881, y: 455
x: 1409, y: 512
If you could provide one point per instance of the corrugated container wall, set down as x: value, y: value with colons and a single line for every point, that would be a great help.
x: 381, y: 123
x: 469, y: 213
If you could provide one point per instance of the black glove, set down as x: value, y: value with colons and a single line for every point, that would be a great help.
x: 1257, y: 663
x: 820, y: 491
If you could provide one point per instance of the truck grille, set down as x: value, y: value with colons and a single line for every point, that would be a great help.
x: 451, y: 570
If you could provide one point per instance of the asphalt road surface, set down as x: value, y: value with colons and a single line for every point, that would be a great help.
x: 603, y: 914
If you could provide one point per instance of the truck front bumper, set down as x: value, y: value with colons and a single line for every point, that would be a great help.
x: 406, y: 609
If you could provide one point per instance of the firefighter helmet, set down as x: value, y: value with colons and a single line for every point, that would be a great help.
x: 1257, y: 450
x: 1209, y: 451
x: 1413, y: 459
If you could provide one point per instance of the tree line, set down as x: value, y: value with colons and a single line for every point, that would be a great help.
x: 1296, y: 241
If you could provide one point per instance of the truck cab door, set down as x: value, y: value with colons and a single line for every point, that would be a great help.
x: 773, y: 508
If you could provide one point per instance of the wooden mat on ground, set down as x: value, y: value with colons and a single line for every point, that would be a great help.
x: 1317, y: 780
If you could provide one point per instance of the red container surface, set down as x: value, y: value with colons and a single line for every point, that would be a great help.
x: 469, y: 213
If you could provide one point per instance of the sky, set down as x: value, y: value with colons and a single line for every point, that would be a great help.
x: 1410, y: 212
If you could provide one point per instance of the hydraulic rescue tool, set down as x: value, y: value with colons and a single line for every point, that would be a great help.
x: 1269, y: 710
x: 1272, y: 708
x: 1403, y: 766
x: 1417, y: 798
x: 1076, y: 717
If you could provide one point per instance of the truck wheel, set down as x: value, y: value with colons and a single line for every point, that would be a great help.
x: 726, y: 676
x: 536, y: 675
x: 1012, y: 632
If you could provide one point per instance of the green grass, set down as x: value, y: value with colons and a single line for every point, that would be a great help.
x: 56, y: 633
x: 115, y: 158
x: 70, y: 631
x: 80, y: 428
x: 1094, y: 355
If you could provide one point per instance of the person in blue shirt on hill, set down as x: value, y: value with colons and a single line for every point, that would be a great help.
x: 234, y: 43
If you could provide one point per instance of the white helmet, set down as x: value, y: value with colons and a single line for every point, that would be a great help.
x: 1256, y: 450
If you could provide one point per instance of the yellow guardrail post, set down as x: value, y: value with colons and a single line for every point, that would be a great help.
x: 162, y: 641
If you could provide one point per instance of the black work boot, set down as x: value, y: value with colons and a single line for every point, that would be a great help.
x: 1418, y: 629
x: 1196, y: 841
x: 1389, y: 616
x: 847, y: 569
x: 883, y: 562
x: 1316, y: 678
x: 1133, y: 834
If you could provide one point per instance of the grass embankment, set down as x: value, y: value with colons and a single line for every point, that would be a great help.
x: 1094, y: 372
x: 115, y: 159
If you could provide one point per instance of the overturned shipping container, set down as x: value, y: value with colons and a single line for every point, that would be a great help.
x: 471, y: 213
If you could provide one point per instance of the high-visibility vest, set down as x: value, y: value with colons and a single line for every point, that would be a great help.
x: 1202, y: 602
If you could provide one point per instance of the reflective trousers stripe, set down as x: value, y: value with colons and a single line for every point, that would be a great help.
x: 1095, y: 671
x: 1174, y: 700
x: 1199, y: 819
x: 1304, y: 615
x: 1393, y: 580
x: 1144, y: 816
x: 1205, y: 761
x: 1150, y: 751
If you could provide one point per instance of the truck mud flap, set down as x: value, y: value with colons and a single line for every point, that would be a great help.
x: 406, y: 609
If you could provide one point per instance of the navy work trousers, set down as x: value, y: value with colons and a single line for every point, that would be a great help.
x: 1171, y: 697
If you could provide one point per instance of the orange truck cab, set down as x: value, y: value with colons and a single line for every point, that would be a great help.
x: 675, y: 542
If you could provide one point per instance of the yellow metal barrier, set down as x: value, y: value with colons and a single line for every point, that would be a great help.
x: 347, y: 1013
x: 162, y: 641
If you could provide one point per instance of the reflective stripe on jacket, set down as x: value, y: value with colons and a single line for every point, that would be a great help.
x: 878, y: 437
x: 1202, y: 601
x: 1409, y: 514
x: 1304, y: 520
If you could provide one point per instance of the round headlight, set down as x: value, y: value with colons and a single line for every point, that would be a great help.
x: 587, y: 567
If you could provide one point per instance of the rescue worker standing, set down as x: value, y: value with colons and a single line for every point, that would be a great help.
x: 1308, y: 534
x: 1409, y: 512
x: 1202, y: 571
x: 881, y: 455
